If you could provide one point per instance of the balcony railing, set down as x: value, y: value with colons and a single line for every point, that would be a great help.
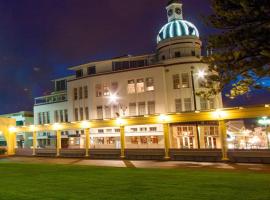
x: 53, y: 98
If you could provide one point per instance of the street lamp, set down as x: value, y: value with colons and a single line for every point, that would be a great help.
x: 265, y: 121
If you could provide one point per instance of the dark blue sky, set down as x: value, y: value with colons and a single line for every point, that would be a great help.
x: 40, y: 39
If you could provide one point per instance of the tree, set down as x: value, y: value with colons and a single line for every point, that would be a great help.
x: 241, y: 48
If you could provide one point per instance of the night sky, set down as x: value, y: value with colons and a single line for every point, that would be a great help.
x: 40, y: 39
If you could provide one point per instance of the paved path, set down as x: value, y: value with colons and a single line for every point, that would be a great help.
x: 141, y: 164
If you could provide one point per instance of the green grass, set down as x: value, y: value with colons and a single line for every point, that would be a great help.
x: 50, y: 182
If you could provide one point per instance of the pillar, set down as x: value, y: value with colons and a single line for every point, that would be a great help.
x: 34, y: 142
x: 58, y: 142
x: 166, y: 132
x: 123, y: 141
x: 11, y: 143
x: 223, y: 138
x: 87, y: 141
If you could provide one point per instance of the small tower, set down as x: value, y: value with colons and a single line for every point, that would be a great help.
x: 174, y: 10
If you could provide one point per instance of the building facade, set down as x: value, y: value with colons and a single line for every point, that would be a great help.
x: 159, y: 83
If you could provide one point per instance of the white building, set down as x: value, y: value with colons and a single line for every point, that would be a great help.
x: 163, y: 82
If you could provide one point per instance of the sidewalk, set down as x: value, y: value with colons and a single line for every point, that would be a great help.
x: 141, y: 164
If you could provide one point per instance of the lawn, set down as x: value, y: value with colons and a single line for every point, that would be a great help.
x: 66, y: 182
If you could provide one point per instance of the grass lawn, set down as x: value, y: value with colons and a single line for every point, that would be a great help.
x: 38, y: 181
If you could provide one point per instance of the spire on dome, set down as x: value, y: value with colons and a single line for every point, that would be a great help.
x: 174, y: 10
x: 174, y: 1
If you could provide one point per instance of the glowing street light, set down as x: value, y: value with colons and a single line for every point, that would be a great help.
x: 265, y: 121
x: 202, y: 74
x: 113, y: 98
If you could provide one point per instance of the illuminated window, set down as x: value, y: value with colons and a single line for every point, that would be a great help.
x: 187, y: 104
x: 131, y: 87
x: 185, y: 80
x: 150, y: 84
x: 81, y: 114
x: 140, y: 85
x: 141, y: 108
x: 80, y: 93
x: 203, y: 102
x: 76, y: 114
x: 98, y: 90
x: 85, y: 92
x: 106, y: 89
x: 178, y: 105
x: 75, y: 93
x: 132, y: 109
x: 107, y: 112
x: 176, y: 81
x: 151, y: 107
x: 99, y: 112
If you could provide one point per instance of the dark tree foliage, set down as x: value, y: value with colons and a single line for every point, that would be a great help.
x: 241, y: 49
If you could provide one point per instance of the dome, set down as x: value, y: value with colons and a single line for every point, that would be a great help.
x: 177, y: 28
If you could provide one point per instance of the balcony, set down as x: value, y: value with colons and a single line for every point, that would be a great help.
x: 50, y: 99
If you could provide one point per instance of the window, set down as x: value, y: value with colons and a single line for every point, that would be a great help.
x: 132, y: 109
x: 178, y: 105
x: 108, y: 112
x: 151, y: 107
x: 39, y: 118
x: 43, y: 118
x: 99, y: 112
x: 61, y: 116
x: 91, y: 70
x: 140, y: 85
x: 75, y: 93
x: 79, y: 73
x: 131, y: 87
x: 193, y: 53
x: 81, y: 114
x: 187, y: 104
x: 85, y: 92
x: 163, y: 58
x: 66, y: 115
x: 80, y: 93
x: 86, y: 113
x: 185, y: 80
x: 212, y: 103
x: 60, y: 85
x: 141, y: 108
x: 114, y: 87
x: 153, y: 129
x: 150, y: 84
x: 115, y: 111
x: 106, y: 90
x: 177, y: 54
x: 98, y: 90
x: 203, y: 102
x: 56, y: 116
x: 48, y: 118
x: 76, y: 114
x: 176, y: 81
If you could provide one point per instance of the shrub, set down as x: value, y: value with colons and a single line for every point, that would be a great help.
x: 3, y: 151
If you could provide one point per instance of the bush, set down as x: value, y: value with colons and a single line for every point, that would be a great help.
x: 3, y: 151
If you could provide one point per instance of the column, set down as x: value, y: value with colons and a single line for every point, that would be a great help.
x: 87, y: 141
x: 123, y: 141
x: 58, y: 142
x: 166, y: 132
x: 11, y: 142
x: 34, y: 142
x: 223, y: 138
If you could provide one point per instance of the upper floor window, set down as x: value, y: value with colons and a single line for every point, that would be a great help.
x: 91, y: 70
x: 75, y: 93
x: 99, y: 112
x: 140, y: 85
x: 187, y: 104
x: 151, y: 107
x: 212, y: 103
x: 177, y: 54
x: 114, y: 87
x: 61, y: 85
x: 79, y: 73
x: 66, y: 115
x: 85, y: 92
x: 132, y: 109
x: 98, y: 90
x: 56, y: 116
x: 203, y: 103
x: 76, y: 114
x: 185, y: 80
x: 106, y: 89
x: 86, y: 113
x: 193, y: 53
x: 81, y: 113
x: 178, y: 105
x: 131, y: 87
x: 80, y: 93
x: 150, y: 84
x: 141, y: 108
x: 176, y: 81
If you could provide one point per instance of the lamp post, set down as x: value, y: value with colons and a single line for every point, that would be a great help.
x: 265, y: 121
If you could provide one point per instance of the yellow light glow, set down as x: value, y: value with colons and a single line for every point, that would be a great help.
x: 163, y: 118
x: 1, y: 133
x: 85, y: 124
x: 201, y: 74
x: 32, y: 127
x: 219, y: 114
x: 12, y: 129
x: 120, y: 121
x: 267, y: 105
x: 57, y: 126
x: 113, y: 98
